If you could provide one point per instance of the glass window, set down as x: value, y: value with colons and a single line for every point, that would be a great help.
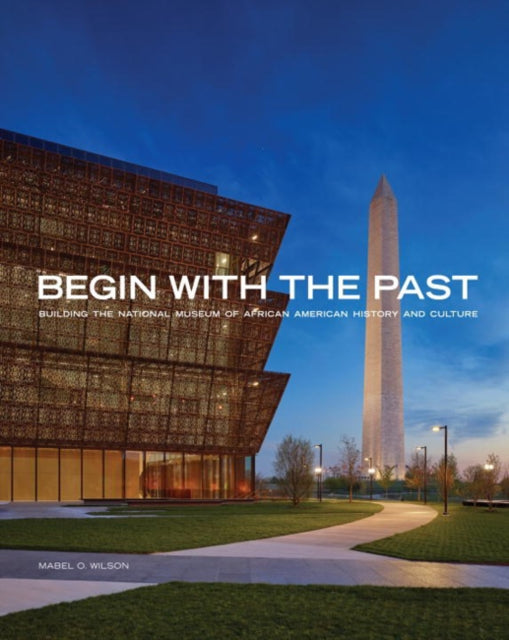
x: 92, y: 473
x: 5, y: 473
x: 113, y: 474
x: 24, y: 473
x: 193, y: 476
x: 70, y: 474
x: 133, y: 474
x: 47, y: 474
x: 242, y: 476
x: 173, y: 475
x: 154, y: 475
x: 222, y: 266
x: 227, y: 477
x: 211, y: 487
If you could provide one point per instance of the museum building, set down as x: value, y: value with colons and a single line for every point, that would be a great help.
x: 130, y: 398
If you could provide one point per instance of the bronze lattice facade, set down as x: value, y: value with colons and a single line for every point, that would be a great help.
x: 130, y: 398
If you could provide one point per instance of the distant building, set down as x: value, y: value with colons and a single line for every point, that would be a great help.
x: 144, y: 404
x: 383, y: 438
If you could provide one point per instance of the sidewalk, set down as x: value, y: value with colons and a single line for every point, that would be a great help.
x: 21, y: 510
x: 332, y: 543
x: 315, y: 557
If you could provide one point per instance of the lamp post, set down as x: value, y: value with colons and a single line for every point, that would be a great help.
x: 371, y: 471
x: 425, y: 449
x: 319, y: 472
x: 444, y: 429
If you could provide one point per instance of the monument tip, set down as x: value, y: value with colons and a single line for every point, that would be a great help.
x: 383, y: 189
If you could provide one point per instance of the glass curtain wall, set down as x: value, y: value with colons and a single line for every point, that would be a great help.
x: 51, y: 474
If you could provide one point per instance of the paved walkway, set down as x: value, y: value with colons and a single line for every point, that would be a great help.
x: 21, y: 510
x: 20, y: 594
x: 31, y: 579
x: 332, y: 543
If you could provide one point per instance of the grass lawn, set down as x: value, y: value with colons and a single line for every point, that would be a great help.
x: 223, y: 611
x: 178, y: 527
x: 467, y: 534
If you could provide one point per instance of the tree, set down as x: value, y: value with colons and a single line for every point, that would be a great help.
x: 386, y: 477
x: 473, y: 478
x: 293, y: 466
x: 414, y: 476
x: 349, y: 463
x: 490, y: 477
x: 452, y: 474
x: 504, y: 486
x: 260, y: 485
x: 333, y: 484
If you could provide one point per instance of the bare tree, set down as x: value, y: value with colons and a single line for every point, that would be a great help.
x: 386, y: 477
x: 504, y: 486
x: 451, y: 480
x: 349, y: 463
x: 490, y: 477
x: 414, y: 476
x: 294, y: 467
x: 260, y: 485
x: 504, y: 482
x: 473, y: 477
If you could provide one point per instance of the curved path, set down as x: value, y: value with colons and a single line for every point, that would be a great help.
x: 314, y: 557
x: 332, y: 543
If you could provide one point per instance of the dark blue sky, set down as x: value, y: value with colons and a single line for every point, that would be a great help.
x: 301, y: 106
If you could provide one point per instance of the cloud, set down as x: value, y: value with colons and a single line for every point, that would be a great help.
x: 466, y: 423
x: 465, y: 388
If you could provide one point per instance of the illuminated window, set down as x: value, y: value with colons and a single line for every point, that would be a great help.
x: 222, y: 266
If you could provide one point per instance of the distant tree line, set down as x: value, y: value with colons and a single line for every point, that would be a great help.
x: 295, y: 476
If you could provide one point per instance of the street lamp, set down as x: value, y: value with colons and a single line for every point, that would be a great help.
x: 444, y: 429
x: 319, y: 472
x: 425, y: 449
x: 371, y: 471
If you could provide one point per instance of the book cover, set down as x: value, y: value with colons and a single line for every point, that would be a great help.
x: 223, y: 223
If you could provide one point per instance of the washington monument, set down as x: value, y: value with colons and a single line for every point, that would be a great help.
x: 382, y: 429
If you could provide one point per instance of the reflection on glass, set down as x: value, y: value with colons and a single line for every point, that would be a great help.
x: 154, y: 474
x: 116, y: 474
x: 193, y: 477
x: 227, y: 476
x: 242, y: 476
x: 211, y: 486
x: 133, y: 474
x: 173, y: 476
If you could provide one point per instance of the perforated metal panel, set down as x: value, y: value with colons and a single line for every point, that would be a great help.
x: 148, y: 383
